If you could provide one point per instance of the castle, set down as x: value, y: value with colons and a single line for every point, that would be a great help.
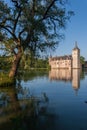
x: 67, y: 61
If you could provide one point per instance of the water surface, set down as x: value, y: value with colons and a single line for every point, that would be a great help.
x: 65, y: 92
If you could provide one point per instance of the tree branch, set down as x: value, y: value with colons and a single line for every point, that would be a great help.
x: 16, y: 3
x: 48, y: 8
x: 5, y: 20
x: 4, y: 27
x: 20, y: 33
x: 16, y: 20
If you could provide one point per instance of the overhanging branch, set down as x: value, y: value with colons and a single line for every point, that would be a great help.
x: 4, y: 27
x: 48, y: 8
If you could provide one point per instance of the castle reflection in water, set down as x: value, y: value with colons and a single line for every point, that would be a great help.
x: 72, y: 75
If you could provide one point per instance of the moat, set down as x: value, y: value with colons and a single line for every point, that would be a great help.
x: 64, y: 107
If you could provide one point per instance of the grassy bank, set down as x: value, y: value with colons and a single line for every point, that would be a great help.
x: 5, y: 80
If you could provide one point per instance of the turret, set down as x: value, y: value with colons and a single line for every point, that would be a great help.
x: 76, y: 57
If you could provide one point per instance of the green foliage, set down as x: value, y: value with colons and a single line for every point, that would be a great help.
x: 41, y: 63
x: 82, y: 60
x: 36, y: 63
x: 5, y: 63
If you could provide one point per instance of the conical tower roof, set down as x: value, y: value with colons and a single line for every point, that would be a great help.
x: 76, y: 46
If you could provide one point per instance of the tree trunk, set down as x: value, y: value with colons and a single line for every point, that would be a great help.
x: 15, y: 64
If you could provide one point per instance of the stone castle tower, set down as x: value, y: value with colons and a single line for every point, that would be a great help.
x: 76, y: 57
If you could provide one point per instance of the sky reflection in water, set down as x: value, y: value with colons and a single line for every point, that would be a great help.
x: 66, y: 90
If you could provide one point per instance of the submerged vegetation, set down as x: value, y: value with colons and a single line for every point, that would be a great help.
x: 5, y: 80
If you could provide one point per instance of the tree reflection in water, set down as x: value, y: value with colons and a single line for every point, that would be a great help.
x: 19, y: 110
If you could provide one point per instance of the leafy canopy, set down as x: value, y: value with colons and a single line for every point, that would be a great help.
x: 36, y: 23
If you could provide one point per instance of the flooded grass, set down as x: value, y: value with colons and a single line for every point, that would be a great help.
x: 5, y: 80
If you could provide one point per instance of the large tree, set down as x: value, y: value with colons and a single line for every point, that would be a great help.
x: 31, y: 24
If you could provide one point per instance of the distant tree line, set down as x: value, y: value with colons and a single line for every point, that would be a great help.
x: 25, y: 63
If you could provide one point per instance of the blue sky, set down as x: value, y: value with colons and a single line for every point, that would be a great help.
x: 76, y: 30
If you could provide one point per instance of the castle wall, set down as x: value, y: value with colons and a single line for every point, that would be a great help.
x: 63, y: 63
